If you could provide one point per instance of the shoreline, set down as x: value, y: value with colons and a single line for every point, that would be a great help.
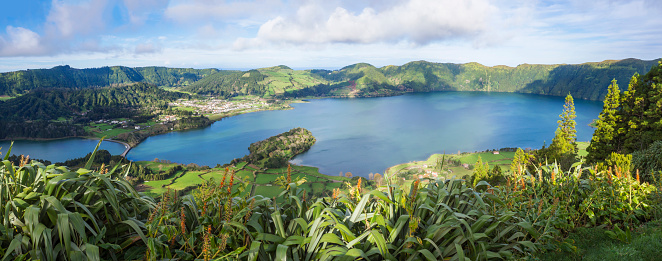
x: 128, y: 147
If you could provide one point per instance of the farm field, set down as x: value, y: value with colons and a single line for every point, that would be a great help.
x: 264, y: 181
x: 428, y: 167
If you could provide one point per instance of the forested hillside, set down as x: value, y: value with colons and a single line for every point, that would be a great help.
x: 21, y: 82
x: 53, y: 103
x: 267, y: 82
x: 57, y: 113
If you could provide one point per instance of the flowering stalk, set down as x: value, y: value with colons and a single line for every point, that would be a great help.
x: 182, y: 223
x: 206, y: 247
x: 231, y: 183
x: 224, y: 176
x: 289, y: 174
x: 358, y: 189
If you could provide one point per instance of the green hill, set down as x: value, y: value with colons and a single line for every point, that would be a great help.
x: 584, y: 81
x: 21, y: 82
x: 272, y: 81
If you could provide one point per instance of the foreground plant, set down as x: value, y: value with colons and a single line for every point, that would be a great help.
x: 53, y: 213
x: 432, y: 220
x: 557, y: 202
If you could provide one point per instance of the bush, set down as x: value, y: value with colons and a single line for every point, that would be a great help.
x: 648, y: 161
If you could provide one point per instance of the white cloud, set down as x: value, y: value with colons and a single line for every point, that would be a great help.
x: 416, y: 21
x: 147, y: 48
x: 71, y: 20
x: 21, y: 42
x: 140, y: 10
x: 219, y: 10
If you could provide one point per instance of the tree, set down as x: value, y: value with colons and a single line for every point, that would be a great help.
x: 604, y: 138
x: 496, y: 176
x: 564, y: 147
x: 378, y: 179
x: 637, y: 118
x: 348, y: 175
x: 518, y: 161
x: 480, y: 171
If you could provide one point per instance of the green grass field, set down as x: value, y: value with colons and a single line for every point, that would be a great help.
x: 315, y: 181
x: 268, y: 191
x: 99, y: 130
x: 156, y: 167
x: 581, y: 146
x: 503, y: 159
x: 486, y: 157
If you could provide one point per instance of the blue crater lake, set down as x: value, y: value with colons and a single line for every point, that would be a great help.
x: 371, y: 134
x: 59, y: 150
x: 358, y: 135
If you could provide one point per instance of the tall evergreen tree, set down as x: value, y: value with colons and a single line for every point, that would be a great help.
x: 564, y: 142
x: 604, y: 138
x: 636, y: 121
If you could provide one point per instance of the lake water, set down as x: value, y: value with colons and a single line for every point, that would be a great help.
x: 371, y: 134
x: 359, y: 135
x: 59, y: 150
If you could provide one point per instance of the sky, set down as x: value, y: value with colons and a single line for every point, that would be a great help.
x: 329, y: 34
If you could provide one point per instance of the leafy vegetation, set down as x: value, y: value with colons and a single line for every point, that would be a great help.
x: 630, y: 122
x: 54, y: 213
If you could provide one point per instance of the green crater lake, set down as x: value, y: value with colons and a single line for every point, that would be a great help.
x: 358, y: 135
x: 371, y: 134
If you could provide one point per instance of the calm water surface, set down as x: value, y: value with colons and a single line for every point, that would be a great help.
x: 371, y: 134
x: 59, y: 150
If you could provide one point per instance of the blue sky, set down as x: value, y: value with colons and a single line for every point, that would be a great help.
x: 323, y: 33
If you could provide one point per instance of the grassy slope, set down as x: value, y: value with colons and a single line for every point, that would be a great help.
x: 594, y: 244
x: 503, y: 159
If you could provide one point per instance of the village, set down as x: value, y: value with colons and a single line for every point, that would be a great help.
x: 218, y: 106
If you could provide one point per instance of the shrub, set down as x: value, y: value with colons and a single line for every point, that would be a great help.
x: 648, y: 161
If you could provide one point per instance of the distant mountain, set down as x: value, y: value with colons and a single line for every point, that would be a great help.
x: 583, y: 81
x: 21, y: 82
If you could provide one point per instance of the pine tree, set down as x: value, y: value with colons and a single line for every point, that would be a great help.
x: 604, y: 139
x: 564, y: 142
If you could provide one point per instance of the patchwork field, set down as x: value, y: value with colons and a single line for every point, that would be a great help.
x: 263, y: 181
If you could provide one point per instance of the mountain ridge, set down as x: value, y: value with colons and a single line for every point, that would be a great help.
x: 584, y: 81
